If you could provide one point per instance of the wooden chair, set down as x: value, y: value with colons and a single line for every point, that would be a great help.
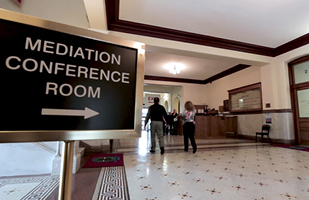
x: 265, y: 131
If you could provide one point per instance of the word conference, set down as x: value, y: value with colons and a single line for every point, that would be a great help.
x: 69, y: 70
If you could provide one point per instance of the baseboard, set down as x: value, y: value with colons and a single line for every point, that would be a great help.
x: 259, y: 139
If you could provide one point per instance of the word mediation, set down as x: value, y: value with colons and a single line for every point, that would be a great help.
x: 50, y: 67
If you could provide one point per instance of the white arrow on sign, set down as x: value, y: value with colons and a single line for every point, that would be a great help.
x: 87, y: 113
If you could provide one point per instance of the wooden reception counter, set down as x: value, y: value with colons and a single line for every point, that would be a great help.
x: 215, y: 126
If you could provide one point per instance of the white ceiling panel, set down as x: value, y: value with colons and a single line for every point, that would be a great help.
x: 268, y: 23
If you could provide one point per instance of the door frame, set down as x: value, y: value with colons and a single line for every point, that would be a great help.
x: 293, y: 91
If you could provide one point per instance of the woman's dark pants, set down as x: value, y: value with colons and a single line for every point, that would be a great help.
x: 188, y: 133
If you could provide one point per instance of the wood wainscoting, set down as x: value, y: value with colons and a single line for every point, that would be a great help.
x: 215, y: 126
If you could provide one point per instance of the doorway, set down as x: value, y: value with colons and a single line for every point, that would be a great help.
x: 299, y: 76
x: 166, y: 105
x: 177, y: 104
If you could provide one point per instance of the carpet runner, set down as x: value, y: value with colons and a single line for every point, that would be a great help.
x: 112, y: 184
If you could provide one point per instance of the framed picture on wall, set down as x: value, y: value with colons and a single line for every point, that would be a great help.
x: 246, y: 99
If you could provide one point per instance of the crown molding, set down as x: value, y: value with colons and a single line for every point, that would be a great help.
x: 294, y: 44
x: 203, y: 82
x: 227, y: 72
x: 115, y: 24
x: 170, y: 79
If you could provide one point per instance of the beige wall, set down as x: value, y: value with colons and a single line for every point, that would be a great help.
x: 281, y: 67
x: 187, y: 92
x: 269, y: 86
x: 71, y: 12
x: 273, y: 76
x: 275, y: 79
x: 173, y: 91
x: 217, y: 91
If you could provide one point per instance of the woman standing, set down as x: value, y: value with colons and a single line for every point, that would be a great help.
x: 188, y: 116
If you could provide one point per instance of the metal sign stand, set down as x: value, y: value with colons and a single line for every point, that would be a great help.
x: 65, y: 185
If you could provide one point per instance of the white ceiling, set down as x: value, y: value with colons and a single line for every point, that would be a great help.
x: 268, y: 23
x: 264, y: 22
x: 194, y: 68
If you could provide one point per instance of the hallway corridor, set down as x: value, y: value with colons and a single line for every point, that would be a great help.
x: 230, y: 169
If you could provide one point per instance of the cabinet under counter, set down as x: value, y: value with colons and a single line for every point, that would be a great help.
x: 215, y: 126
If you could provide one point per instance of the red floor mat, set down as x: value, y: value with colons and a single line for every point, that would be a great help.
x: 105, y: 160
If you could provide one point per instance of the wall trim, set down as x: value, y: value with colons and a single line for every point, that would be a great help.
x: 227, y: 72
x: 169, y: 79
x: 115, y: 24
x: 274, y: 141
x: 278, y: 111
x: 262, y: 112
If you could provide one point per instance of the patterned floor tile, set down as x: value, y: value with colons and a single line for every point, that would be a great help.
x: 225, y: 169
x: 34, y: 188
x: 264, y: 172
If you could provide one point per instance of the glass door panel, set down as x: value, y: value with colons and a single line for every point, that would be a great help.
x: 303, y: 103
x: 301, y: 72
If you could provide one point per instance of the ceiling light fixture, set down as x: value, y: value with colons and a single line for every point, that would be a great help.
x: 174, y: 68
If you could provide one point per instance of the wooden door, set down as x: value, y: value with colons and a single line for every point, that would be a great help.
x: 299, y: 87
x: 302, y: 114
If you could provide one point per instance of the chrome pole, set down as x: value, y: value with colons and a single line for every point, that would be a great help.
x: 65, y: 186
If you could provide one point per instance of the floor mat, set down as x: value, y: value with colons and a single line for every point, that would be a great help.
x: 105, y: 160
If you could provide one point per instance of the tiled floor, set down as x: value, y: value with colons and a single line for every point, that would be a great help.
x: 221, y: 169
x: 262, y: 172
x: 27, y: 187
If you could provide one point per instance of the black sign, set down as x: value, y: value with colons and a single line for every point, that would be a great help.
x: 57, y: 81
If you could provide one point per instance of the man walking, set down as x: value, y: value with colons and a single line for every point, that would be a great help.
x: 157, y: 115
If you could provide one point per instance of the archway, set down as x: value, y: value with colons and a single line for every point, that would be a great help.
x: 177, y: 104
x: 166, y: 106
